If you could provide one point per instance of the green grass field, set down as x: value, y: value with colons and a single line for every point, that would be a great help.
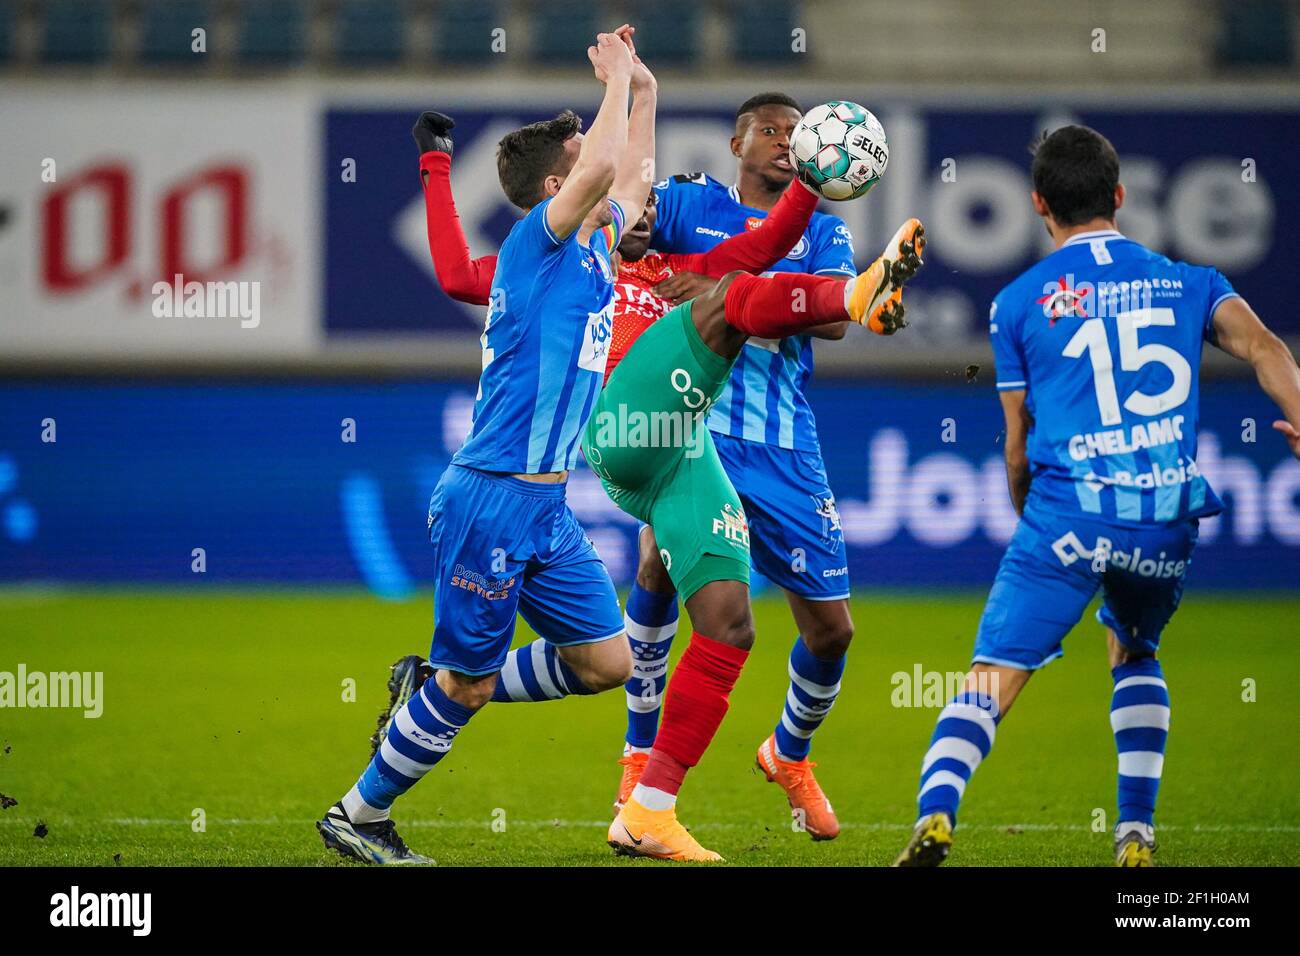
x: 233, y: 703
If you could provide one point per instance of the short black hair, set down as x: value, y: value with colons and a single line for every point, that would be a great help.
x: 1075, y: 172
x: 528, y: 155
x: 767, y: 99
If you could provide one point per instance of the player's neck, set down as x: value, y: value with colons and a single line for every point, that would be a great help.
x: 1062, y: 234
x: 757, y: 192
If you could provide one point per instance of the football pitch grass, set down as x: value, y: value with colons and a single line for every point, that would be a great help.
x: 232, y: 705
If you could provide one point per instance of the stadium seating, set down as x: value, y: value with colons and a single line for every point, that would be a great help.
x: 76, y: 31
x: 762, y: 30
x: 369, y: 32
x: 271, y: 32
x: 1256, y: 33
x: 668, y: 32
x: 462, y: 31
x: 6, y: 30
x: 166, y: 37
x: 563, y: 29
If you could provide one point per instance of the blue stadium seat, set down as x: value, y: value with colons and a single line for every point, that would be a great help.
x: 271, y: 31
x: 462, y: 31
x: 369, y: 32
x: 6, y: 30
x: 667, y: 32
x: 76, y: 31
x: 762, y: 30
x: 1257, y: 33
x: 563, y: 29
x: 166, y: 32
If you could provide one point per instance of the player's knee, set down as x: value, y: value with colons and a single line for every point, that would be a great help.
x: 469, y: 691
x: 607, y: 671
x: 712, y: 304
x: 830, y: 640
x: 736, y: 629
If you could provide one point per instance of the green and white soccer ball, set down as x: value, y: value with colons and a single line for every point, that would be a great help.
x: 839, y: 150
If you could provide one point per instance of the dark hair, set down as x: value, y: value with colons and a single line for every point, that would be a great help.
x: 528, y: 155
x: 1075, y: 172
x: 767, y: 99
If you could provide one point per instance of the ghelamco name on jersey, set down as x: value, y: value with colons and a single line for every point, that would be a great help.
x: 1118, y: 441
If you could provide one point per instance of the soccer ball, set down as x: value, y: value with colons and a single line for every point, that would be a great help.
x: 839, y: 150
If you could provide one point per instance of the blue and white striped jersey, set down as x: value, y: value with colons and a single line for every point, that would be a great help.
x: 1105, y: 337
x: 764, y: 400
x: 544, y: 347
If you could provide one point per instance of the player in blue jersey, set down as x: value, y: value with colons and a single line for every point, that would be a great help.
x: 766, y: 438
x: 1098, y: 350
x: 505, y: 541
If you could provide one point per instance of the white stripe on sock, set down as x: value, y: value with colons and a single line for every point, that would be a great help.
x: 510, y: 678
x: 640, y: 705
x: 1141, y: 763
x: 944, y: 778
x: 543, y: 673
x: 813, y: 690
x: 976, y: 715
x: 416, y: 734
x: 789, y: 725
x: 402, y: 763
x: 649, y: 635
x: 955, y: 748
x: 802, y: 710
x: 652, y: 798
x: 1139, y: 681
x: 1140, y: 715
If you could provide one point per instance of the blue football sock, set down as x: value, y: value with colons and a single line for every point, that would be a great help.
x: 962, y: 738
x: 1139, y: 716
x: 536, y: 671
x: 814, y: 684
x: 651, y: 622
x: 420, y: 735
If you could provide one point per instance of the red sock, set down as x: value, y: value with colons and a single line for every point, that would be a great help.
x: 773, y: 307
x: 694, y: 705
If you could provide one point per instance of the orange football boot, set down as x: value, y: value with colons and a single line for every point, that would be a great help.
x: 801, y: 789
x: 633, y: 766
x: 877, y: 297
x: 657, y: 834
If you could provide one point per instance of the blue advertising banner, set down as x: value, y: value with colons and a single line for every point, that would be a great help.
x: 306, y: 483
x: 1212, y: 186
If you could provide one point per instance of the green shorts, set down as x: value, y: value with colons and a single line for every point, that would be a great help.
x: 648, y: 443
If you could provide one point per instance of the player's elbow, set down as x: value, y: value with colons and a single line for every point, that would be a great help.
x: 597, y: 173
x: 1267, y: 349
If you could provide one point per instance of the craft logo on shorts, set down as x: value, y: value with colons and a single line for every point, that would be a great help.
x: 731, y: 524
x: 489, y: 589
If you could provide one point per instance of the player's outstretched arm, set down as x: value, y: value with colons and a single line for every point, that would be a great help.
x: 1016, y: 449
x: 635, y: 173
x: 461, y: 277
x: 603, y: 146
x: 1240, y: 333
x: 757, y: 250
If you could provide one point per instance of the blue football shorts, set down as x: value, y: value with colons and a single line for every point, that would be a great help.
x: 795, y: 538
x: 1054, y: 565
x: 504, y: 546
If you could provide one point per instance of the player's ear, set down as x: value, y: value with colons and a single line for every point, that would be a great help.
x: 551, y: 185
x: 737, y: 144
x: 1119, y: 195
x: 1040, y: 207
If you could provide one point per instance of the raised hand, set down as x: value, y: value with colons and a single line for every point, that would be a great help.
x: 610, y: 58
x: 432, y: 132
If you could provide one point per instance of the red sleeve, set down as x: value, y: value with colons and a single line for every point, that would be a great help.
x: 463, y: 278
x: 757, y: 250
